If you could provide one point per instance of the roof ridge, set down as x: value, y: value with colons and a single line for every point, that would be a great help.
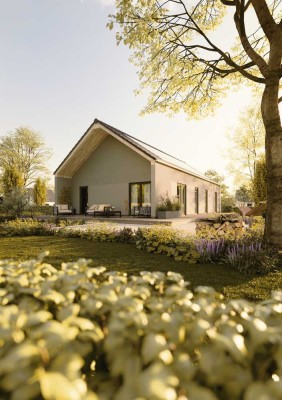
x: 149, y: 145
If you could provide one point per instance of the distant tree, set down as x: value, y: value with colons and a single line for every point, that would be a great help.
x: 246, y: 145
x: 25, y: 151
x: 11, y: 178
x: 40, y: 192
x: 227, y: 199
x: 259, y: 184
x: 65, y: 196
x: 15, y: 201
x: 243, y: 194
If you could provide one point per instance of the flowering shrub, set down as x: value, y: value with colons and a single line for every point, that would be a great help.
x: 84, y: 333
x: 251, y: 257
x: 210, y: 250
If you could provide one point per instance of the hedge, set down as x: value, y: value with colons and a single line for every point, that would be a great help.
x: 80, y: 332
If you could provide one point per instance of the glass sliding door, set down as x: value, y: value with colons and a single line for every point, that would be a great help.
x: 181, y: 194
x: 139, y: 195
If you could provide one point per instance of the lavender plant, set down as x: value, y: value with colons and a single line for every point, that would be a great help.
x: 210, y: 250
x: 251, y: 257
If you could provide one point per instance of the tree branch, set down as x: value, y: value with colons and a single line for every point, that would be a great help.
x: 265, y: 18
x: 239, y: 18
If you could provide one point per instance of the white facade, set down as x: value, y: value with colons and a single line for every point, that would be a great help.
x: 117, y: 167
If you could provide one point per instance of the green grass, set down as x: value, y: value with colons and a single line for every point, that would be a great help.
x: 125, y: 257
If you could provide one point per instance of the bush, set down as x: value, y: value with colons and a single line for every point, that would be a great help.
x: 211, y: 250
x: 25, y: 227
x: 165, y: 240
x: 251, y: 257
x: 168, y: 203
x: 79, y: 332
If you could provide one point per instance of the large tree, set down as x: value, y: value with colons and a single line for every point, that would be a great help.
x: 24, y: 150
x: 246, y: 145
x: 179, y: 58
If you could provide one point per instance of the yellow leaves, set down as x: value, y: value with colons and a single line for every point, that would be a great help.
x: 134, y: 337
x: 152, y: 346
x: 55, y: 386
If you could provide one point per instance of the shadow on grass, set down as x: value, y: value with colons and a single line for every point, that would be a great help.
x: 126, y: 258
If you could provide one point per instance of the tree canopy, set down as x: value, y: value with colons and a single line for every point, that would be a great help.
x: 24, y: 150
x: 246, y: 145
x: 11, y: 179
x: 40, y: 192
x: 180, y: 58
x: 187, y: 67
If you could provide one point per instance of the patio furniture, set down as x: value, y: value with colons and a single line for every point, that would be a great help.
x: 103, y: 210
x: 142, y: 211
x: 96, y: 207
x: 108, y: 212
x: 62, y: 209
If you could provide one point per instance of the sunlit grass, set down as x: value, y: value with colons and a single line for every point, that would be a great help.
x: 125, y: 257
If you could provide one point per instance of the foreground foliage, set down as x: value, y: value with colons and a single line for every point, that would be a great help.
x: 80, y: 332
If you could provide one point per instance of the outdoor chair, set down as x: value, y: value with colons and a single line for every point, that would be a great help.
x: 62, y: 209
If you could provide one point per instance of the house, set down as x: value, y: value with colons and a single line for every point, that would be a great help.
x: 108, y: 166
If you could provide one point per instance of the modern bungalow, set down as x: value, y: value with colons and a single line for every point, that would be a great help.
x: 108, y: 166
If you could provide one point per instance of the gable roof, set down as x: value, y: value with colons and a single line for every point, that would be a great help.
x: 96, y: 133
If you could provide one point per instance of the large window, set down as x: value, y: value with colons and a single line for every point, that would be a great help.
x: 139, y: 195
x: 181, y: 194
x: 196, y: 200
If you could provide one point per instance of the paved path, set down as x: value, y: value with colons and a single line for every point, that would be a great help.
x: 186, y: 226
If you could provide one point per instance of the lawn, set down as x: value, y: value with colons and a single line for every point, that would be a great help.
x: 125, y: 257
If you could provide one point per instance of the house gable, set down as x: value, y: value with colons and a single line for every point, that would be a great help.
x: 89, y: 142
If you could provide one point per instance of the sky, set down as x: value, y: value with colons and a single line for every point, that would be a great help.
x: 60, y: 69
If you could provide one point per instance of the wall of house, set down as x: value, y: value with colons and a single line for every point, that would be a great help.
x: 108, y: 172
x: 167, y: 178
x: 59, y: 184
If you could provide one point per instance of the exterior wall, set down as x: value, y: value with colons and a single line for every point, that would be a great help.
x: 108, y: 172
x: 167, y: 178
x: 59, y: 184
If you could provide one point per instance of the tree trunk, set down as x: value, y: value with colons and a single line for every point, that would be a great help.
x: 273, y: 150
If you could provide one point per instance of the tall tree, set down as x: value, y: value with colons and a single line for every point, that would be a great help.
x: 259, y: 184
x: 40, y: 191
x: 11, y: 179
x: 25, y: 151
x: 180, y: 59
x: 243, y: 194
x: 246, y: 145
